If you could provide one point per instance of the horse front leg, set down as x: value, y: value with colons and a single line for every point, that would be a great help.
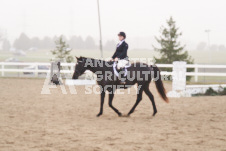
x: 101, y: 103
x: 139, y: 98
x: 111, y: 96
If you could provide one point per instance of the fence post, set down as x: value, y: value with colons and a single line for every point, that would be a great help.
x: 179, y: 76
x: 36, y: 70
x: 3, y: 67
x: 196, y: 72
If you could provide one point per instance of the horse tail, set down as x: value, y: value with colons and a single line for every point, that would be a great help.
x: 158, y: 83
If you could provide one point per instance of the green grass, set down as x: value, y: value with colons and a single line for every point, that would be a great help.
x: 209, y: 57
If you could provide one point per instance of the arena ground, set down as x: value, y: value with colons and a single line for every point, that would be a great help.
x: 31, y: 121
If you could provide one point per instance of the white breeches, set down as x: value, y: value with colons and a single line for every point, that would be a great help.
x: 122, y: 64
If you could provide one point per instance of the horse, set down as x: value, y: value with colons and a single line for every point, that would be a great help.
x: 138, y: 73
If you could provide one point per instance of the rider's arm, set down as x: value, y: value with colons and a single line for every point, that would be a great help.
x: 114, y: 55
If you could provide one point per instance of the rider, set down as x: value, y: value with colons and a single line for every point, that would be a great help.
x: 120, y: 55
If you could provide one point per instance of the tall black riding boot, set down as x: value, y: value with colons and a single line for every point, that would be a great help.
x: 123, y: 77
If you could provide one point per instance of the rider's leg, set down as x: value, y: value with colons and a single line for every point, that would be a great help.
x: 122, y: 76
x: 121, y: 65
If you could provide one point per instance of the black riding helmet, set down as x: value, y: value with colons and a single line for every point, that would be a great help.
x: 122, y: 34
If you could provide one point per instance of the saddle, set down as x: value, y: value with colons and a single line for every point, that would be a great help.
x: 117, y: 70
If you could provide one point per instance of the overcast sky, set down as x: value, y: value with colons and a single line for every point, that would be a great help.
x: 140, y: 19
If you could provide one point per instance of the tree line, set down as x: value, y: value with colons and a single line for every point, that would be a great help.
x: 23, y: 42
x: 202, y: 46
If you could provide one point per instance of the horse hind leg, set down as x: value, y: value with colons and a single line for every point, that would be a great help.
x: 151, y: 97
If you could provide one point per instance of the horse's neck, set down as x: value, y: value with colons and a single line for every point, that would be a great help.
x: 93, y: 69
x: 96, y: 66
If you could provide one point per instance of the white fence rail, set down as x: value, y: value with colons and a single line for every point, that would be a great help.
x: 19, y: 67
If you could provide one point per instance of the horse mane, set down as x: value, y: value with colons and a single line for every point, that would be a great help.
x: 104, y: 62
x: 96, y: 60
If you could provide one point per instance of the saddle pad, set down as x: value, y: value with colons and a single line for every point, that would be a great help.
x: 115, y: 69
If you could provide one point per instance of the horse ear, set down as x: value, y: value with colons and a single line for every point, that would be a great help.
x: 83, y: 59
x: 79, y: 58
x: 76, y: 57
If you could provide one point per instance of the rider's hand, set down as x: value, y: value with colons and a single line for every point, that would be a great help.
x: 116, y: 59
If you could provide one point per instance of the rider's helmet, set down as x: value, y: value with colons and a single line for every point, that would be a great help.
x: 122, y: 34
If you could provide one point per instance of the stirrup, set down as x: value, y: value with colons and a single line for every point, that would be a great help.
x: 122, y: 82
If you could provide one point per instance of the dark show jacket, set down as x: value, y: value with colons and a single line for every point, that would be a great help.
x: 121, y: 51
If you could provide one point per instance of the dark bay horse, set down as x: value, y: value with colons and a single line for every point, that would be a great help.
x: 139, y: 73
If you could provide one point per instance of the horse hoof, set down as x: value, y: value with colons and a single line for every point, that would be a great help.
x: 126, y: 115
x: 119, y: 114
x: 99, y: 115
x: 154, y: 113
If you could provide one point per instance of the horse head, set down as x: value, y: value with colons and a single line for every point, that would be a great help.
x: 79, y: 67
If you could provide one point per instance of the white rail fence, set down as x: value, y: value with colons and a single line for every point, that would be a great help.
x: 19, y: 67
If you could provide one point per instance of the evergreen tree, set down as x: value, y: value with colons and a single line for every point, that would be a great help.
x: 35, y: 42
x: 62, y: 50
x: 171, y: 50
x: 72, y: 42
x: 76, y: 42
x: 47, y: 43
x: 80, y: 43
x: 89, y: 43
x: 23, y: 42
